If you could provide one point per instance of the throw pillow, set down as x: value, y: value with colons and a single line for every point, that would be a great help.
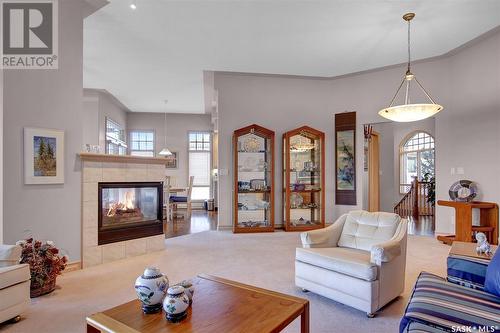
x: 492, y: 281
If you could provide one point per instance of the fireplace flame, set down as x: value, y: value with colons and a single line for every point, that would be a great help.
x: 125, y: 205
x: 129, y: 200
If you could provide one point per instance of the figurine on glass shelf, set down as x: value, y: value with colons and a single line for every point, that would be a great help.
x: 298, y: 187
x: 483, y: 247
x: 243, y: 185
x: 310, y: 166
x: 301, y: 221
x: 254, y: 224
x: 258, y: 184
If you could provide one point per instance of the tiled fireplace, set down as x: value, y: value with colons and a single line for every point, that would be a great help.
x: 130, y: 210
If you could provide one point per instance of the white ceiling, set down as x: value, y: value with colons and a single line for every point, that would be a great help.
x: 160, y: 50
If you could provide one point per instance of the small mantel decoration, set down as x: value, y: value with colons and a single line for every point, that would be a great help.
x: 45, y: 264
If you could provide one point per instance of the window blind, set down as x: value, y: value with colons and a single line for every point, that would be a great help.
x: 199, y: 167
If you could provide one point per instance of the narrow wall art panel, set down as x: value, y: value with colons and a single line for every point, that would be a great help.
x: 345, y: 158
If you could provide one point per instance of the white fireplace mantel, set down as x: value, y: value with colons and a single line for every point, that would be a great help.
x: 122, y: 158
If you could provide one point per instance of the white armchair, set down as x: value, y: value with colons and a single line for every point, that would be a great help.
x: 359, y: 260
x: 14, y: 283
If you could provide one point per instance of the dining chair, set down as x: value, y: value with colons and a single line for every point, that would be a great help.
x: 167, y: 204
x: 176, y: 200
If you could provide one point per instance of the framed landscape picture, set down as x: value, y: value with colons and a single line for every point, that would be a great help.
x: 43, y: 156
x: 172, y: 160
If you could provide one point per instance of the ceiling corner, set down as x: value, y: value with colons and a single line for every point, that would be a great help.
x: 92, y: 6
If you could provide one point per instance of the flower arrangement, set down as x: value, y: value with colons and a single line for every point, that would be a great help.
x: 45, y: 264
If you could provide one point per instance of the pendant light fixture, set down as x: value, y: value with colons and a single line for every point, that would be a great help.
x: 410, y: 112
x: 165, y: 151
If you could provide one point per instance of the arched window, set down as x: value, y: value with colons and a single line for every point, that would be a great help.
x: 416, y: 159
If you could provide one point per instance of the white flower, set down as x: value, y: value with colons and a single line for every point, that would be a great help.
x: 20, y: 242
x: 51, y: 243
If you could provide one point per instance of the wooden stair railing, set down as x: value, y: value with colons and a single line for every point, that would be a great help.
x: 415, y: 202
x: 404, y: 207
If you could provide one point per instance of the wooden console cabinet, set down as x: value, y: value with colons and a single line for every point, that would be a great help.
x: 464, y: 230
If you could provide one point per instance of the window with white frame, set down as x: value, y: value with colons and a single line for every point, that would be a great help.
x: 416, y: 159
x: 200, y: 156
x: 142, y: 143
x: 115, y: 138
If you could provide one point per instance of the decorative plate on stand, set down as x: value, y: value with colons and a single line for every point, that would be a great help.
x: 463, y: 190
x: 251, y: 145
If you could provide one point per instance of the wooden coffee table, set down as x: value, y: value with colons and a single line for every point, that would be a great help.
x: 219, y: 305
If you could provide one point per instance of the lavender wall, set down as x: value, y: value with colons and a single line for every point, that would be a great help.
x: 46, y: 99
x: 468, y: 133
x: 109, y: 107
x: 1, y: 156
x: 283, y: 103
x: 98, y: 105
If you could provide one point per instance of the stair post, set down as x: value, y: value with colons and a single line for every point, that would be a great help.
x: 415, y: 190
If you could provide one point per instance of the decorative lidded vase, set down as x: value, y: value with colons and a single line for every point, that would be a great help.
x: 151, y: 288
x: 188, y: 289
x: 176, y: 304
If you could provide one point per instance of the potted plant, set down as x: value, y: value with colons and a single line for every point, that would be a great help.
x: 45, y: 265
x: 431, y: 188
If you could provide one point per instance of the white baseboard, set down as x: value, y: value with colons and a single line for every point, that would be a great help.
x: 73, y: 266
x: 224, y: 227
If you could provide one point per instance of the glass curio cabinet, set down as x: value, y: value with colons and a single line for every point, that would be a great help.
x: 303, y: 179
x: 253, y: 155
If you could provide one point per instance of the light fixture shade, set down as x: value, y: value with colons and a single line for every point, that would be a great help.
x: 410, y: 112
x: 165, y: 152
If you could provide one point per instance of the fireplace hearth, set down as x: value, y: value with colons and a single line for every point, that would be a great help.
x: 129, y: 210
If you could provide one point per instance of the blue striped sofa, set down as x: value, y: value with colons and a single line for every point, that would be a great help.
x: 438, y: 305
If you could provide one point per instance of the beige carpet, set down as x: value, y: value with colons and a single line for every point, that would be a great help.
x: 264, y: 260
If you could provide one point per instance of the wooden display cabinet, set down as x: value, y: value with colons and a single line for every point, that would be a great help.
x: 253, y: 188
x: 303, y: 179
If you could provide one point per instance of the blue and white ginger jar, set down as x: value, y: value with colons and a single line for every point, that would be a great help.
x: 151, y: 287
x: 176, y: 304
